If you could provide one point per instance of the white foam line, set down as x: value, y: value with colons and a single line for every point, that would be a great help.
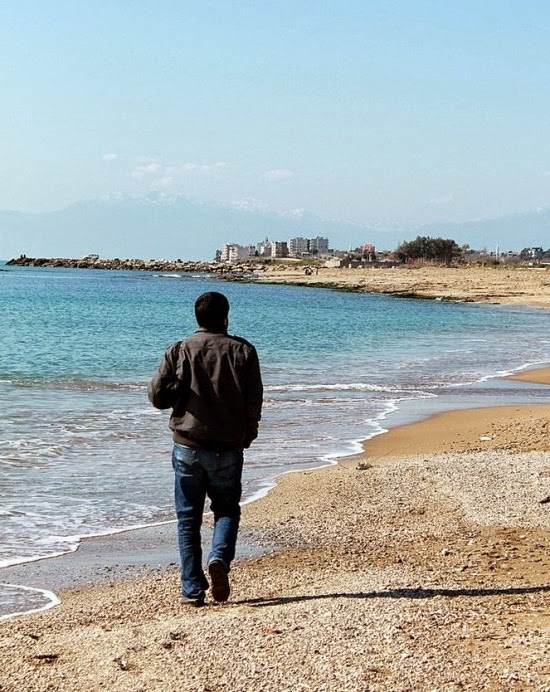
x: 113, y: 532
x: 269, y: 484
x: 74, y: 542
x: 23, y: 560
x: 349, y: 386
x: 53, y: 601
x: 501, y: 374
x: 535, y: 365
x: 326, y: 460
x: 357, y: 445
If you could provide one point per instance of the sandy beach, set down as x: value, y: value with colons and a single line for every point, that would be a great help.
x: 421, y: 564
x: 500, y: 284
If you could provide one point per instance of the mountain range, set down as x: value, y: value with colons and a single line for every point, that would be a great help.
x: 158, y: 227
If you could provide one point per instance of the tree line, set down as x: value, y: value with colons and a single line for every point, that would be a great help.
x: 447, y: 251
x: 441, y: 250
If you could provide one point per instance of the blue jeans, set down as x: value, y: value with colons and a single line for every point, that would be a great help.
x: 200, y: 473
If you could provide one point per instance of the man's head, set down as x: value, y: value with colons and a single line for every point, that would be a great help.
x: 211, y: 311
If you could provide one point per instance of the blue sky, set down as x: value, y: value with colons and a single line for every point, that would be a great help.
x: 375, y: 112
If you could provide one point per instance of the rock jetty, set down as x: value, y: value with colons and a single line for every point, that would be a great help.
x: 153, y: 265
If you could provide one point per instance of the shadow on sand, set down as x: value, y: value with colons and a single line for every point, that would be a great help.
x: 413, y: 594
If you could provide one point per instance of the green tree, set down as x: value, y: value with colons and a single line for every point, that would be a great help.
x: 442, y: 250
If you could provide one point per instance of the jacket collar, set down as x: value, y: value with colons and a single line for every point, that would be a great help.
x: 211, y: 331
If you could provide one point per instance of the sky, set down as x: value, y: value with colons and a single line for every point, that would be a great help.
x: 381, y: 113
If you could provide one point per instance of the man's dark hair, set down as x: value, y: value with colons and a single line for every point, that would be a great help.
x: 211, y: 311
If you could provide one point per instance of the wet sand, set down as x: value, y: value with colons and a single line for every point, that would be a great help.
x: 423, y: 563
x: 539, y: 376
x: 104, y: 559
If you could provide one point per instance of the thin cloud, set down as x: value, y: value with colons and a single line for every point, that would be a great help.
x: 111, y: 156
x: 181, y: 168
x: 294, y: 213
x: 250, y: 205
x: 276, y: 175
x: 163, y: 172
x: 190, y: 167
x: 165, y: 182
x: 146, y: 169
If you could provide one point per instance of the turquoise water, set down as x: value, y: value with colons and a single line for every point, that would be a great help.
x: 82, y: 452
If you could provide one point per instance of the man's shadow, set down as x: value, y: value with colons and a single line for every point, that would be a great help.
x: 411, y: 594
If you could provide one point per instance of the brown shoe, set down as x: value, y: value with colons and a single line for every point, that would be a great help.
x: 220, y: 581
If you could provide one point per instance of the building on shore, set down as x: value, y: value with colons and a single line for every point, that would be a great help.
x: 298, y: 247
x: 318, y: 245
x: 263, y: 248
x: 233, y: 252
x: 279, y: 248
x: 368, y: 252
x: 295, y: 247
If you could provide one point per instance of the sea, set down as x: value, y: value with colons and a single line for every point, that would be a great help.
x: 83, y: 453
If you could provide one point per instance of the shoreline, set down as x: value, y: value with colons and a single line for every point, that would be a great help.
x: 439, y: 526
x: 124, y: 555
x: 135, y: 552
x: 501, y: 285
x: 535, y: 375
x: 396, y: 573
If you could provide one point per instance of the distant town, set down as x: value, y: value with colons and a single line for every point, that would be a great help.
x: 313, y: 254
x: 294, y: 247
x: 435, y: 249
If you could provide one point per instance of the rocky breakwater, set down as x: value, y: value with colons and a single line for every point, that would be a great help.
x: 154, y: 265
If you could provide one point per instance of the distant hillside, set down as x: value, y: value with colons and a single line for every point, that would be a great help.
x: 153, y: 227
x: 148, y: 227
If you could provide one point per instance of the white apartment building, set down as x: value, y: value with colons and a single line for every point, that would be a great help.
x: 233, y: 252
x: 264, y: 248
x: 304, y: 246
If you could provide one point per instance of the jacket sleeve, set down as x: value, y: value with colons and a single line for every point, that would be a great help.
x: 165, y: 387
x: 254, y: 398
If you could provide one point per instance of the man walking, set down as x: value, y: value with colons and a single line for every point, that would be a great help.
x: 213, y: 385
